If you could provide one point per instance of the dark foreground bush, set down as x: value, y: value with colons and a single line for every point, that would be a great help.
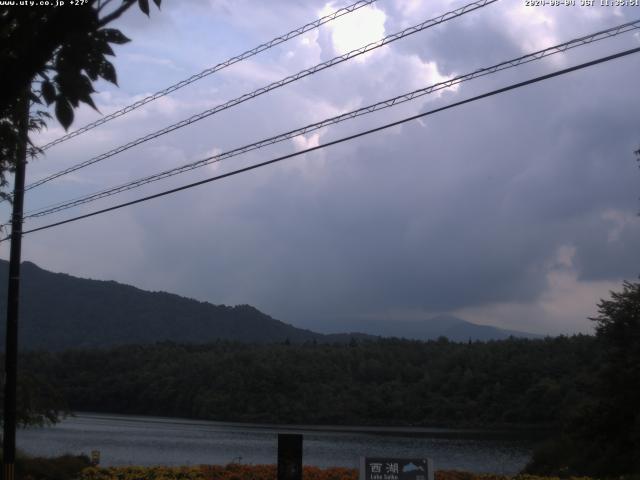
x: 553, y: 458
x: 66, y: 467
x: 564, y: 457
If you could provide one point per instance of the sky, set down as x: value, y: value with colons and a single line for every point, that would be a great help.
x: 518, y: 211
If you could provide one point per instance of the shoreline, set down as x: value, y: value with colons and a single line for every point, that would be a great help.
x: 514, y: 432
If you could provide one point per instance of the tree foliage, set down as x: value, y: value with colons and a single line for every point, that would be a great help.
x: 389, y: 382
x: 39, y: 401
x: 602, y: 436
x: 614, y: 433
x: 52, y: 56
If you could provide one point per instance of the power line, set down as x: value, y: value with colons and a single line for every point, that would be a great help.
x: 292, y: 78
x: 227, y: 63
x: 340, y: 140
x: 584, y: 40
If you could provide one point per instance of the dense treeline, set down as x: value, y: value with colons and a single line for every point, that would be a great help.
x: 601, y: 435
x: 393, y: 382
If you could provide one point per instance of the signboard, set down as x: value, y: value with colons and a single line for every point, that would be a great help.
x: 396, y: 468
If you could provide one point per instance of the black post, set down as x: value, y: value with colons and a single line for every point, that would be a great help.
x: 289, y: 456
x: 13, y: 295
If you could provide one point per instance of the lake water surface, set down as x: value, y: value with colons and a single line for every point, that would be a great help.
x: 139, y: 440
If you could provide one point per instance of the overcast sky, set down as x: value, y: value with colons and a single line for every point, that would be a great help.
x: 518, y: 211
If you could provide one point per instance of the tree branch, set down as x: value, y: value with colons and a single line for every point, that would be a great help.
x: 126, y: 4
x: 102, y: 4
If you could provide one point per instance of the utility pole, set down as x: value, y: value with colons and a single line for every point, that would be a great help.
x: 13, y: 294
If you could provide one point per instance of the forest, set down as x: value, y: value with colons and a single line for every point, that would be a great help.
x: 511, y: 383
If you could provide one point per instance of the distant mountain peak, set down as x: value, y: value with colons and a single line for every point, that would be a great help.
x: 444, y: 325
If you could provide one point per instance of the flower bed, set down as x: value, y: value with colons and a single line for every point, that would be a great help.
x: 263, y: 472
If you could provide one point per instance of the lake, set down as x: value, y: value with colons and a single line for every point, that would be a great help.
x: 140, y: 440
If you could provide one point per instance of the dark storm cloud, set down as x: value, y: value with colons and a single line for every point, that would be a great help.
x: 467, y: 209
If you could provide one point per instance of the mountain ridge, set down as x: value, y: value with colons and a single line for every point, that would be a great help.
x: 454, y: 328
x: 73, y: 312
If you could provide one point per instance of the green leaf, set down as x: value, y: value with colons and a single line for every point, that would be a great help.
x: 43, y: 113
x: 108, y: 72
x: 34, y: 98
x: 85, y: 84
x: 104, y: 48
x: 64, y: 112
x: 48, y: 92
x: 92, y: 65
x: 157, y: 2
x: 144, y: 6
x: 113, y: 35
x: 86, y: 98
